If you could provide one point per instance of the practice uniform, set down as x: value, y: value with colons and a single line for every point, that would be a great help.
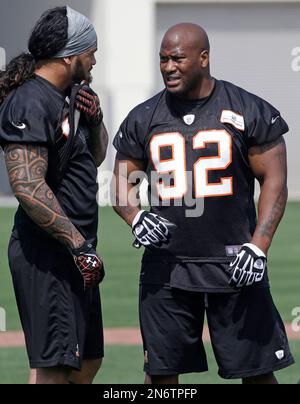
x: 61, y: 322
x: 198, y: 151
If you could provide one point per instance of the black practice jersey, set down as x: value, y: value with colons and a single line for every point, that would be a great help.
x: 197, y: 153
x: 33, y: 114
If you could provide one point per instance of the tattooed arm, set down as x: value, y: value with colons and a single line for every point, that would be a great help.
x: 268, y: 163
x: 27, y: 167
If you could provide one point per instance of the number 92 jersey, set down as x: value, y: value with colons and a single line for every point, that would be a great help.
x: 195, y: 155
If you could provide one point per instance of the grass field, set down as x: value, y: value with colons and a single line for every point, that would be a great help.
x: 120, y: 290
x: 124, y: 365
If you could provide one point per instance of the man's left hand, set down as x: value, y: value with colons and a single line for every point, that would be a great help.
x: 88, y: 102
x: 248, y: 267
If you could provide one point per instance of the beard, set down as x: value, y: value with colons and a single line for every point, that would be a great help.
x: 80, y: 74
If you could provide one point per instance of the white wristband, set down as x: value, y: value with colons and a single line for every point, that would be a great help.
x: 137, y: 218
x: 255, y: 249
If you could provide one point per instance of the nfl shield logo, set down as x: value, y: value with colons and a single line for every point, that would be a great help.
x: 189, y: 119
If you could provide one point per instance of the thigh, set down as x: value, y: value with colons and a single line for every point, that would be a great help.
x: 49, y: 292
x: 247, y: 333
x: 93, y: 339
x: 171, y: 325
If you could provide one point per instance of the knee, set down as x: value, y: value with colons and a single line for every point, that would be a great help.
x: 172, y: 379
x: 55, y: 375
x: 268, y: 378
x: 93, y: 368
x: 88, y: 371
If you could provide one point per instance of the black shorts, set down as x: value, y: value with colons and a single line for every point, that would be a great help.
x: 247, y: 333
x: 62, y: 323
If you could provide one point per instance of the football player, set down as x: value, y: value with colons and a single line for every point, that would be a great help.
x: 53, y: 138
x: 205, y: 139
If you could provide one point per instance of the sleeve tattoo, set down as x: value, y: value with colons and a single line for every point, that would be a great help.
x: 276, y: 189
x: 27, y: 168
x: 269, y: 225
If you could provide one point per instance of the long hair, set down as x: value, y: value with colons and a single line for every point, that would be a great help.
x: 49, y: 36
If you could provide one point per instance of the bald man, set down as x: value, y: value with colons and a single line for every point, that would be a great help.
x: 202, y: 142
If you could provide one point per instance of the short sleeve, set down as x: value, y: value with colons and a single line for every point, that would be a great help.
x: 24, y: 120
x: 265, y: 123
x: 127, y: 141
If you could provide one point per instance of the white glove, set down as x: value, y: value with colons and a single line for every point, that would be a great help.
x: 151, y: 229
x: 248, y: 267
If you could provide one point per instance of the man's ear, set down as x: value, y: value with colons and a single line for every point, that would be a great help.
x: 204, y: 57
x: 68, y: 60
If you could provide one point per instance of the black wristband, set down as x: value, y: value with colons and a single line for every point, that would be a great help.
x: 84, y: 249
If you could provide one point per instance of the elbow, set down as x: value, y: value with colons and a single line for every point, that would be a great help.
x: 286, y: 192
x: 24, y: 191
x: 99, y: 160
x: 115, y: 200
x: 22, y: 195
x: 18, y: 188
x: 100, y: 157
x: 115, y: 208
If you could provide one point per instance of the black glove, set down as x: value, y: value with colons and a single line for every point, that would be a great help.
x: 248, y: 267
x: 151, y: 229
x: 89, y: 265
x: 88, y: 102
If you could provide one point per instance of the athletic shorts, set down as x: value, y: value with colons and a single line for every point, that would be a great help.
x: 247, y: 333
x: 62, y: 323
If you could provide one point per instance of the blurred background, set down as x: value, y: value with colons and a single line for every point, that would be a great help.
x: 254, y: 44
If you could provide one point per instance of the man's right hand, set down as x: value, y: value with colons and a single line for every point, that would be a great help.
x: 151, y: 229
x: 89, y: 265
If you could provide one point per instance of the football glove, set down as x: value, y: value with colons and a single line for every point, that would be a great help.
x: 248, y: 267
x: 89, y: 265
x: 151, y: 229
x: 88, y: 102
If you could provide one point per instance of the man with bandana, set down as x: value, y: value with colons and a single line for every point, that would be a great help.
x: 53, y: 138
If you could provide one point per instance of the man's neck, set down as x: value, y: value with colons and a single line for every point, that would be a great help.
x: 207, y: 87
x: 52, y: 73
x: 204, y: 90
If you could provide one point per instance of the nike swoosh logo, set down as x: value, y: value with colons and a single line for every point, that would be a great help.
x: 274, y: 119
x: 19, y: 125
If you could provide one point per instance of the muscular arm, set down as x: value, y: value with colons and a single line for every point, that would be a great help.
x: 27, y: 167
x: 98, y: 143
x: 269, y: 166
x: 126, y: 206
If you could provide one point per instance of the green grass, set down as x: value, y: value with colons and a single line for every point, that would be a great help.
x: 284, y: 263
x: 123, y: 365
